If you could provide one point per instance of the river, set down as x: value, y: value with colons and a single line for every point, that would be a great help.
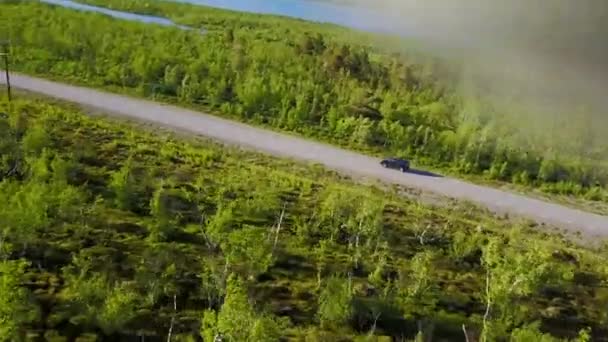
x: 116, y: 14
x: 353, y: 16
x: 312, y: 10
x: 350, y: 16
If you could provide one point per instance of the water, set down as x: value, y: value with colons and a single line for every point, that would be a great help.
x: 117, y: 14
x: 319, y: 11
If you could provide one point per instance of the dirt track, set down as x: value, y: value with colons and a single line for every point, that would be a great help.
x: 590, y: 225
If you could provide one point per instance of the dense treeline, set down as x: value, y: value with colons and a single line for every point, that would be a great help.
x: 114, y: 234
x: 296, y: 76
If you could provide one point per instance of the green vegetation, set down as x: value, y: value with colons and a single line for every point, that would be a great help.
x: 306, y: 78
x: 112, y: 233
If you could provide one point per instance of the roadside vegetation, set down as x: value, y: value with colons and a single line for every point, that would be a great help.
x: 310, y: 79
x: 113, y: 232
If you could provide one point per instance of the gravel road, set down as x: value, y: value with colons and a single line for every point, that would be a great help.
x: 590, y: 225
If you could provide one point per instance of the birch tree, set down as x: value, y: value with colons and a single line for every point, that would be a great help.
x: 512, y: 272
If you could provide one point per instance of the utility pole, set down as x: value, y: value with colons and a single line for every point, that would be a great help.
x: 5, y: 55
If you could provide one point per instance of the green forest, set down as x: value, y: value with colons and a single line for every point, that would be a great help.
x: 111, y: 231
x: 320, y: 81
x: 115, y: 231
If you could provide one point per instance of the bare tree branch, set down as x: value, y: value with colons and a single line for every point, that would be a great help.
x: 172, y: 318
x: 466, y: 335
x: 488, y: 304
x: 278, y: 229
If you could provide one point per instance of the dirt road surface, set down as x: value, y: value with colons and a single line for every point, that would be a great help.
x: 590, y: 225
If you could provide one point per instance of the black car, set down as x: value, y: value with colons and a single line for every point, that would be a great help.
x: 396, y: 163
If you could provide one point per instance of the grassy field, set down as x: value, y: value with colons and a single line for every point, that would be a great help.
x: 114, y: 231
x: 320, y: 81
